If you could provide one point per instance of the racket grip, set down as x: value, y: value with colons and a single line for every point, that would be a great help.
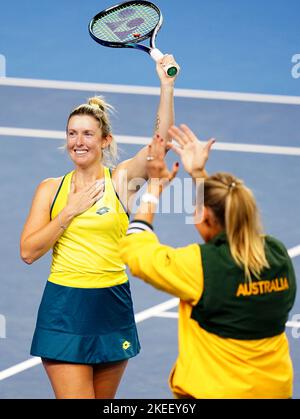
x: 157, y: 55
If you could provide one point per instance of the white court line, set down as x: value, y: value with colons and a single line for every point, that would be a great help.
x: 294, y: 251
x: 125, y: 139
x: 32, y: 133
x: 293, y: 324
x: 159, y: 308
x: 139, y: 317
x: 167, y: 314
x: 172, y: 315
x: 154, y: 311
x: 16, y: 369
x: 146, y: 90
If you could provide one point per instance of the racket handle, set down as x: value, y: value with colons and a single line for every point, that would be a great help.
x: 157, y: 55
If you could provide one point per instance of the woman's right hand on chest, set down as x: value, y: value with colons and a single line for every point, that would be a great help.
x: 80, y: 201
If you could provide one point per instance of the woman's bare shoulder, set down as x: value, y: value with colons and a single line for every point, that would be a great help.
x: 51, y: 182
x: 48, y: 188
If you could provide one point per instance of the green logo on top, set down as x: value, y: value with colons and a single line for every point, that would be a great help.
x: 103, y: 210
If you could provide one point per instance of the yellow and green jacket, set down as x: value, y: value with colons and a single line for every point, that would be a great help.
x: 232, y: 342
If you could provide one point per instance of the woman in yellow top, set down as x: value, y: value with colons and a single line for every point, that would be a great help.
x: 85, y: 331
x: 235, y: 291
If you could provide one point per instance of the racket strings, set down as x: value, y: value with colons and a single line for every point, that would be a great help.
x: 126, y: 24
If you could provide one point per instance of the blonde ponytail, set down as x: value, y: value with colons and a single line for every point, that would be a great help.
x: 97, y: 107
x: 235, y: 208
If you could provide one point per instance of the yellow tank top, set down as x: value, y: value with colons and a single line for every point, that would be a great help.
x: 86, y: 255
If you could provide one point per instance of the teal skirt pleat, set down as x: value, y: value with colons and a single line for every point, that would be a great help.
x: 86, y: 326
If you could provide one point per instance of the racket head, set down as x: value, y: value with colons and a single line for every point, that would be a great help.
x: 126, y: 24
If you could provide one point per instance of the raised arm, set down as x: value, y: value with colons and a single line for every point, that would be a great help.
x: 176, y: 271
x: 165, y: 114
x: 136, y: 167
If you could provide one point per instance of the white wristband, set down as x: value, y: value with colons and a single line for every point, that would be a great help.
x: 148, y: 197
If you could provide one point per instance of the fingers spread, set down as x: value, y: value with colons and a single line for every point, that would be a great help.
x: 176, y: 149
x: 97, y: 187
x: 91, y: 186
x: 189, y: 133
x: 179, y: 135
x: 99, y: 196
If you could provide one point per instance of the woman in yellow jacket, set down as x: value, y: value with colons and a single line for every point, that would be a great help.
x: 235, y: 290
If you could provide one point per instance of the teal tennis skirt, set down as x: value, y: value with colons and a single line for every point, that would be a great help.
x: 85, y: 326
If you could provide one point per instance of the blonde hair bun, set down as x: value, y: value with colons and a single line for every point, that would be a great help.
x: 100, y: 103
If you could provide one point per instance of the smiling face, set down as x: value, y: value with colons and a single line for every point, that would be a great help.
x: 85, y: 141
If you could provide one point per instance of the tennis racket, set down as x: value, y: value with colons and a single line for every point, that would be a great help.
x: 126, y: 25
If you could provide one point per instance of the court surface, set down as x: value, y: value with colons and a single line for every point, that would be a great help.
x: 254, y: 115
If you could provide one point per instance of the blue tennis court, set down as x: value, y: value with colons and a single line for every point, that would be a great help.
x: 236, y: 84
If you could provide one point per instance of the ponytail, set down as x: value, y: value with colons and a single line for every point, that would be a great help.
x: 235, y: 209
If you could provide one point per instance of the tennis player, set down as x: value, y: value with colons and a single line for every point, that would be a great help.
x: 85, y: 331
x: 235, y: 291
